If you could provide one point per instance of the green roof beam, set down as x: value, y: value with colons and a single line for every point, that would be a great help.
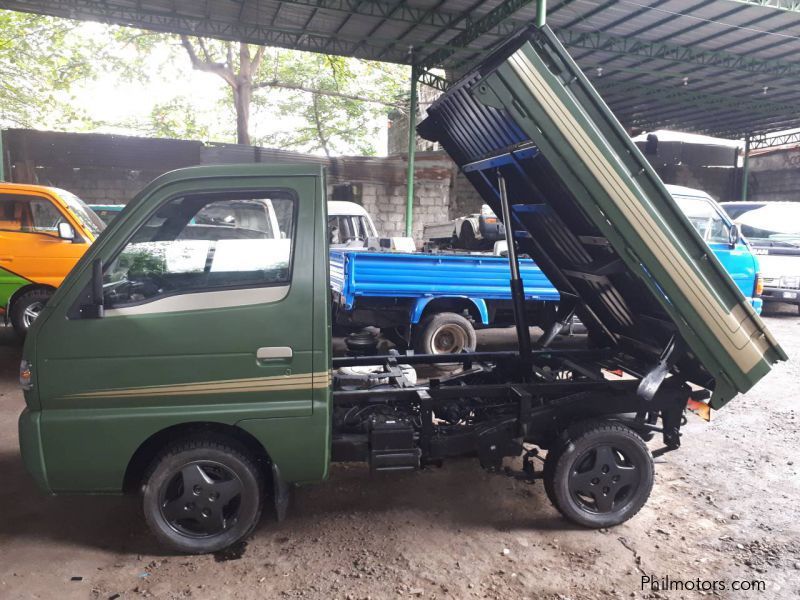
x: 787, y: 5
x: 476, y: 29
x: 676, y: 54
x: 770, y: 141
x: 433, y: 80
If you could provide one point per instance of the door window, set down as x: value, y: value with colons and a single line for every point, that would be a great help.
x: 705, y: 218
x: 204, y: 243
x: 29, y: 214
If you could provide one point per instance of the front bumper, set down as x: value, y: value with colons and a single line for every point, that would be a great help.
x: 30, y: 446
x: 774, y: 294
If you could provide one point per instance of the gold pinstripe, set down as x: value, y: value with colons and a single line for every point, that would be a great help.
x: 256, y: 384
x: 734, y: 330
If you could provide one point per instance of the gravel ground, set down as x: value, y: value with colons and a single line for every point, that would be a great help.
x: 724, y: 509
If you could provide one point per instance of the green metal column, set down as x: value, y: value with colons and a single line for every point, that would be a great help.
x: 541, y: 12
x: 745, y: 167
x: 412, y: 148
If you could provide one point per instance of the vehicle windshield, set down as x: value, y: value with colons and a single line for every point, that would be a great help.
x: 83, y: 213
x: 776, y: 224
x: 704, y: 217
x: 347, y: 228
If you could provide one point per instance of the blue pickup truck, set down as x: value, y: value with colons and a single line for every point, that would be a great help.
x: 434, y: 302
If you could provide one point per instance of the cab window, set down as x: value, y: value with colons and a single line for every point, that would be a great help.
x: 29, y: 214
x: 201, y: 243
x: 705, y: 218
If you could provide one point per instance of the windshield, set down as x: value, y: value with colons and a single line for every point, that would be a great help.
x: 704, y: 217
x: 347, y: 228
x: 82, y: 212
x: 776, y: 224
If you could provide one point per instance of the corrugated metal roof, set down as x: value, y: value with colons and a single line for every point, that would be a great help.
x: 722, y: 67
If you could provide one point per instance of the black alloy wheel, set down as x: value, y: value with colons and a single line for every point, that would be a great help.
x: 599, y: 474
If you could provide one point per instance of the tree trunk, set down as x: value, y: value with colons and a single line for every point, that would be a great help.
x: 242, y: 96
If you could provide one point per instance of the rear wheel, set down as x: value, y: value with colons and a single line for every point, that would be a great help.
x: 445, y: 333
x: 600, y: 475
x: 202, y: 496
x: 27, y: 308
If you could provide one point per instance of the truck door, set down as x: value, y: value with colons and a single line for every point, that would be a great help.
x: 204, y: 322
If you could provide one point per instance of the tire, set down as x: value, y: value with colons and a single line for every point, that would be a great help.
x: 223, y: 505
x: 26, y: 308
x: 444, y: 333
x: 467, y: 238
x: 600, y: 475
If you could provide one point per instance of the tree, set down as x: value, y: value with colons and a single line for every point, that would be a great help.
x: 324, y: 92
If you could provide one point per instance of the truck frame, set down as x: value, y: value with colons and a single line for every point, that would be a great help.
x: 165, y: 367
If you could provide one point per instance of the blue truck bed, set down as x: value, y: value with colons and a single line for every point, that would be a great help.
x: 356, y: 275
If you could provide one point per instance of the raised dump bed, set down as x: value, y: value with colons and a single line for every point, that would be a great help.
x: 596, y: 218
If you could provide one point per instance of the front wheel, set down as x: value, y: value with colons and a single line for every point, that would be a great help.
x: 600, y: 475
x: 202, y: 496
x: 27, y: 308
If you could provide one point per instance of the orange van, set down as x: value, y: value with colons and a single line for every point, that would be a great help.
x: 43, y: 233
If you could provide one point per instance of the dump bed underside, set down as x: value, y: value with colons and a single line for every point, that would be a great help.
x: 596, y: 218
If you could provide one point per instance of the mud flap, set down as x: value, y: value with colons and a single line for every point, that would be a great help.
x: 280, y: 491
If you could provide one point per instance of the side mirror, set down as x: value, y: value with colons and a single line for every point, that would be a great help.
x: 65, y: 231
x: 95, y: 310
x: 735, y: 235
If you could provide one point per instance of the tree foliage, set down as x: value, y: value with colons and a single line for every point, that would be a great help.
x: 40, y: 61
x: 327, y: 103
x: 293, y: 100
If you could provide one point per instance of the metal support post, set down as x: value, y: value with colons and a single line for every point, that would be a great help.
x: 746, y: 166
x: 517, y: 286
x: 412, y: 147
x: 541, y: 12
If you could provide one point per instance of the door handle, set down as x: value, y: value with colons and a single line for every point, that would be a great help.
x: 274, y: 353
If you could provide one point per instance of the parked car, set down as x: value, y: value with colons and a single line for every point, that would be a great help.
x: 43, y: 233
x: 773, y: 230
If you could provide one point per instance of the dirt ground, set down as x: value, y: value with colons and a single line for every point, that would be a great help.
x: 724, y: 509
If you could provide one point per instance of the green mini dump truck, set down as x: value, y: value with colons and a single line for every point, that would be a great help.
x: 192, y: 362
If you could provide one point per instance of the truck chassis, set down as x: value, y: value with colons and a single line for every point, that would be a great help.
x: 393, y: 425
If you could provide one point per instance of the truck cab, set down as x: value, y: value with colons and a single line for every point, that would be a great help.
x: 724, y: 238
x: 43, y: 233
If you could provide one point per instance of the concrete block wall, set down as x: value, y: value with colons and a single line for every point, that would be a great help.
x: 775, y: 174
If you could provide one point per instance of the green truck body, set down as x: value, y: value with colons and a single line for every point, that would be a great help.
x: 194, y: 362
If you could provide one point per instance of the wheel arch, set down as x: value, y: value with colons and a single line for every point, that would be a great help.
x: 149, y: 449
x: 476, y: 307
x: 24, y: 290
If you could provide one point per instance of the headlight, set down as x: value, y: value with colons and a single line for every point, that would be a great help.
x: 25, y: 375
x: 790, y: 282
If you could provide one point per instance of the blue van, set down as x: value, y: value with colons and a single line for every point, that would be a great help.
x: 725, y: 240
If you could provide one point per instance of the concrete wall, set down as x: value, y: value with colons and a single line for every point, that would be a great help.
x: 775, y: 174
x: 111, y: 169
